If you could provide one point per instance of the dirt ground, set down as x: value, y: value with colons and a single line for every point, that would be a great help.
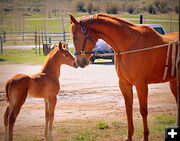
x: 90, y: 94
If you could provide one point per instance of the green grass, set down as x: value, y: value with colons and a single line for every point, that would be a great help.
x: 80, y: 130
x: 86, y: 135
x: 161, y: 122
x: 117, y: 124
x: 102, y: 125
x: 23, y: 138
x: 151, y: 16
x: 55, y: 25
x: 21, y: 56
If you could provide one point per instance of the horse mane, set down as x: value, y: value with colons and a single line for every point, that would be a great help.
x: 104, y: 18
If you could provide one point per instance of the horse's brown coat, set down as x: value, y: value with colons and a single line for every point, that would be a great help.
x: 138, y: 69
x: 44, y: 84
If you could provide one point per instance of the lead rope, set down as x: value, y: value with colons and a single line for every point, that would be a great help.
x: 166, y: 64
x: 173, y: 58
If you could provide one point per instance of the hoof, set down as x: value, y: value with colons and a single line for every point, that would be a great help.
x: 126, y: 139
x: 144, y: 139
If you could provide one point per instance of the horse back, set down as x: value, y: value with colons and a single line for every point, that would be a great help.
x: 171, y: 36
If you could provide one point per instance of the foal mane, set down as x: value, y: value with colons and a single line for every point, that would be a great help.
x: 49, y: 58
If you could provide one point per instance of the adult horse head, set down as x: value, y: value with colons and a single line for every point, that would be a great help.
x: 138, y: 69
x: 84, y: 40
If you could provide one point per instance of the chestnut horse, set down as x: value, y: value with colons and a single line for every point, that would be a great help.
x: 44, y: 84
x: 138, y: 69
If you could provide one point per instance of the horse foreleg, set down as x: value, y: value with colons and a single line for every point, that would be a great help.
x: 173, y: 87
x: 142, y: 91
x: 127, y: 92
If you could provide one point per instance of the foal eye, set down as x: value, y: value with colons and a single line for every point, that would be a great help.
x: 66, y: 54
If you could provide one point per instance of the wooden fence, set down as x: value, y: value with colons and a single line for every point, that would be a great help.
x: 33, y: 35
x: 33, y: 38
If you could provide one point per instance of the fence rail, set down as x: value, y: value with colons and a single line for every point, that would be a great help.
x: 37, y: 38
x: 32, y: 36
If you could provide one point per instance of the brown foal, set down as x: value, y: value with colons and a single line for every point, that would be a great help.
x: 44, y: 84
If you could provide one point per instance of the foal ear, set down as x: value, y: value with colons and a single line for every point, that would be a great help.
x: 73, y: 20
x: 65, y: 46
x: 60, y: 46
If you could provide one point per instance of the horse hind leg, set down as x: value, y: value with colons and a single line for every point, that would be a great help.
x: 173, y: 88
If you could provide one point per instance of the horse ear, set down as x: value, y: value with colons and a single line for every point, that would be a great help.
x: 73, y: 20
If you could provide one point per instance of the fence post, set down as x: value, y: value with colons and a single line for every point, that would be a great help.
x: 141, y: 19
x: 1, y: 42
x: 39, y: 44
x: 64, y: 36
x: 49, y: 40
x: 35, y: 34
x: 4, y: 36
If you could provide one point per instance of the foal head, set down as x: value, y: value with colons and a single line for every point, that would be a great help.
x: 84, y: 40
x: 65, y: 55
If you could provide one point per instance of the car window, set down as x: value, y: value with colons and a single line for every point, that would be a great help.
x: 160, y: 30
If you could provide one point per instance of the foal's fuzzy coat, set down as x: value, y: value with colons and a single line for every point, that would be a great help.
x: 44, y: 84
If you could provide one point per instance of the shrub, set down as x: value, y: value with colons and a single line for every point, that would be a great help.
x: 96, y: 8
x: 130, y: 9
x: 80, y: 6
x: 151, y: 9
x: 89, y: 7
x: 161, y: 6
x: 112, y: 8
x: 176, y: 9
x: 102, y: 125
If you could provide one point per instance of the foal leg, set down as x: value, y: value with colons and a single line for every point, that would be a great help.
x: 9, y: 119
x: 50, y: 104
x: 6, y: 115
x: 142, y: 91
x: 46, y: 119
x: 127, y: 92
x: 173, y: 87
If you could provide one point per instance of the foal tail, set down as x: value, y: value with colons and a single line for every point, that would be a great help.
x: 8, y: 85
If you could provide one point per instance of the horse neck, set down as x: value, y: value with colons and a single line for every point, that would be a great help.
x: 51, y: 66
x: 118, y: 35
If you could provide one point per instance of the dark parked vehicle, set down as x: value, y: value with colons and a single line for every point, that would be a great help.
x: 102, y: 47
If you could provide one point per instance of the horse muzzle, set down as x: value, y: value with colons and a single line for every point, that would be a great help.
x: 82, y: 61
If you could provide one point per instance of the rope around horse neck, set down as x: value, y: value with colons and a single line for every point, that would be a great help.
x: 137, y: 50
